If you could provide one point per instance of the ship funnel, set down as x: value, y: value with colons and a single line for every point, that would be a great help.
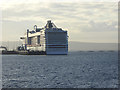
x: 50, y: 24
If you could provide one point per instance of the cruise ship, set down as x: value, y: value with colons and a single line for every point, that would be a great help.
x: 50, y: 39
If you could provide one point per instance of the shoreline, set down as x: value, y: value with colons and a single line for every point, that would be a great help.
x: 43, y: 53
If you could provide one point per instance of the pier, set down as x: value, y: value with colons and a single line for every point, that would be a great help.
x: 23, y: 52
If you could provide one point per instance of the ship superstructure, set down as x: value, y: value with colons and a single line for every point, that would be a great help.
x: 49, y: 39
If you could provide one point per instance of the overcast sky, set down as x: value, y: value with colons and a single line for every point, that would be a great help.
x: 84, y: 21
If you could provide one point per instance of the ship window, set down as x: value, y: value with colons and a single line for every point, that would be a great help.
x: 38, y: 39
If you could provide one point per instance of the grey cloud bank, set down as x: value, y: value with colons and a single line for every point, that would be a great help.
x: 80, y: 19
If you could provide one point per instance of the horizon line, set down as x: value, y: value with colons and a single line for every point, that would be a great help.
x: 68, y: 41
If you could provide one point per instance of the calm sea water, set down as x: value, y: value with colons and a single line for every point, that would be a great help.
x: 75, y: 70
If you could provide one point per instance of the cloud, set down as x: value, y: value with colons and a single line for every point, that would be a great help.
x: 101, y: 27
x: 77, y: 18
x: 73, y: 11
